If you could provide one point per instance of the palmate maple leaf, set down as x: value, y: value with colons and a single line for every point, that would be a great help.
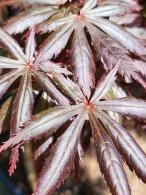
x: 25, y: 66
x: 83, y: 102
x: 109, y: 41
x: 112, y: 142
x: 42, y: 11
x: 96, y: 17
x: 49, y: 2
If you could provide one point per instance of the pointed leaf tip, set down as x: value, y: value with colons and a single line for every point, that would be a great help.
x: 105, y: 85
x: 60, y: 164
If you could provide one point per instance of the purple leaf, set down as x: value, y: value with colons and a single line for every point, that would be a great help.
x: 109, y: 159
x: 89, y: 4
x: 126, y: 20
x: 55, y: 43
x: 7, y: 79
x: 69, y: 87
x: 23, y: 104
x: 105, y: 85
x: 128, y: 106
x: 49, y: 66
x: 10, y: 63
x: 126, y: 144
x: 47, y: 123
x: 43, y: 148
x: 12, y: 45
x: 50, y: 2
x: 111, y: 52
x: 60, y: 22
x: 22, y: 112
x: 107, y: 11
x: 30, y: 46
x: 46, y: 83
x: 120, y: 34
x: 60, y: 164
x: 28, y: 18
x: 132, y: 4
x: 82, y: 59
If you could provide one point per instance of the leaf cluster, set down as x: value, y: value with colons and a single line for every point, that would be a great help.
x: 64, y: 45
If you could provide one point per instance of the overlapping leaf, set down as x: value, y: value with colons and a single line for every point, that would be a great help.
x: 50, y: 2
x: 133, y: 154
x: 7, y: 79
x: 119, y: 135
x: 25, y: 67
x: 29, y: 18
x: 82, y: 59
x: 47, y: 2
x: 22, y: 113
x: 105, y: 85
x: 109, y: 45
x: 98, y: 19
x: 64, y: 150
x: 23, y: 64
x: 54, y: 44
x: 132, y: 4
x: 69, y: 87
x: 94, y: 12
x: 110, y: 161
x: 41, y: 149
x: 12, y: 45
x: 47, y: 85
x: 126, y: 106
x: 111, y: 52
x: 50, y: 120
x: 120, y: 34
x: 60, y: 162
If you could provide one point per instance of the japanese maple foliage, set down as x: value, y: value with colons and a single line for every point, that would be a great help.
x: 77, y: 37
